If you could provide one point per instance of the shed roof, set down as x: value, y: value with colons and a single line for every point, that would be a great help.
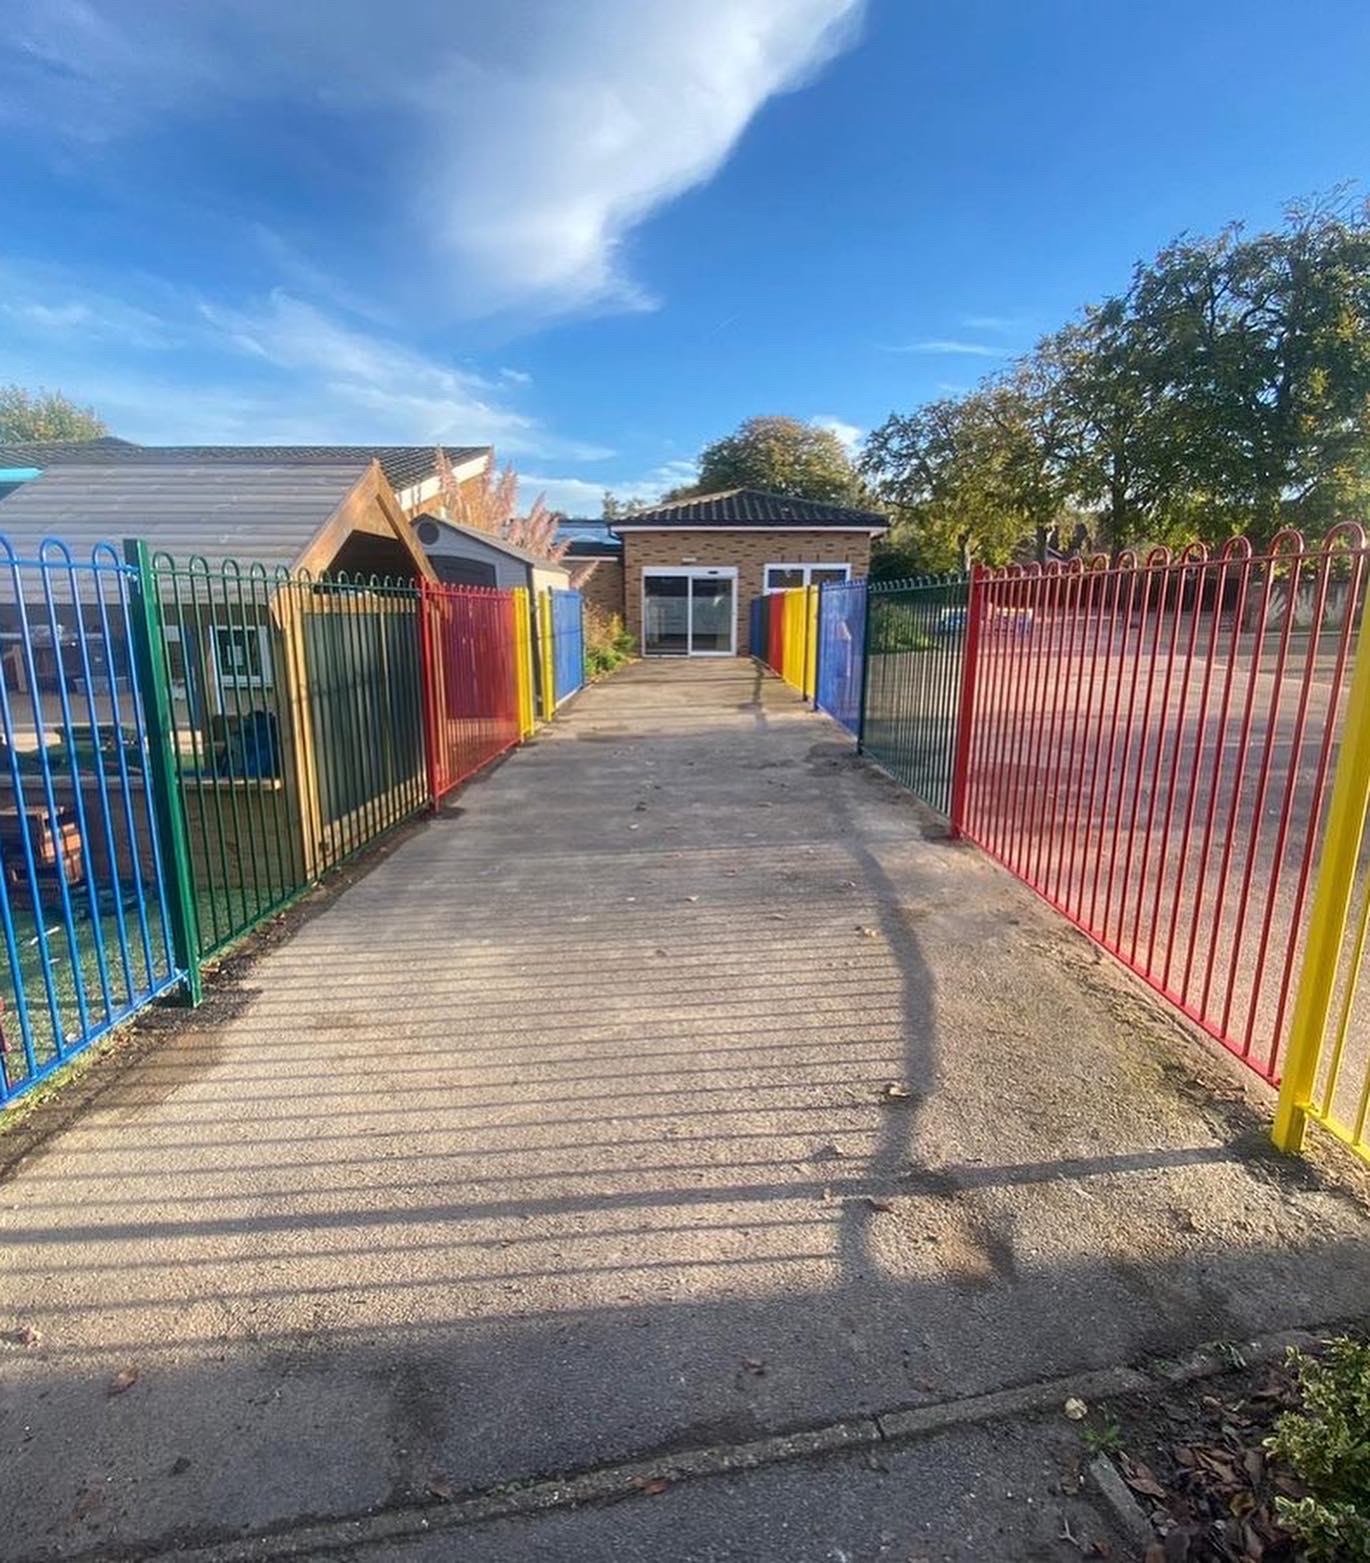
x: 403, y: 465
x: 489, y: 539
x: 752, y: 507
x: 263, y: 513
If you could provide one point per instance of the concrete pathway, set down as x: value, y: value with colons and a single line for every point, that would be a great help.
x: 561, y: 1138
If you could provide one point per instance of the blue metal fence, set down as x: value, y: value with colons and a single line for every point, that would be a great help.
x: 568, y: 643
x: 83, y: 905
x: 757, y: 623
x: 841, y: 650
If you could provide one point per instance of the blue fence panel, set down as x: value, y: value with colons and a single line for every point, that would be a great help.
x: 83, y: 906
x: 841, y: 649
x: 757, y: 624
x: 568, y: 644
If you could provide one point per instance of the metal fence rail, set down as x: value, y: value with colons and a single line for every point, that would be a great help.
x: 841, y: 651
x: 471, y: 678
x: 915, y: 638
x: 1150, y: 752
x: 82, y: 908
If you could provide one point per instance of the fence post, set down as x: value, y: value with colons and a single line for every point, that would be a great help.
x: 546, y: 656
x: 173, y: 837
x: 1332, y: 896
x: 523, y: 654
x: 811, y: 644
x: 818, y: 644
x: 428, y: 675
x: 966, y: 712
x: 865, y: 670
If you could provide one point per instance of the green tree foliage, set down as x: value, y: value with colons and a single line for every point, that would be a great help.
x: 1228, y: 389
x: 45, y: 415
x: 782, y: 456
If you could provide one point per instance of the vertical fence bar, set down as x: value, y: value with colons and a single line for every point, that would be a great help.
x: 523, y: 653
x: 965, y: 717
x: 149, y: 659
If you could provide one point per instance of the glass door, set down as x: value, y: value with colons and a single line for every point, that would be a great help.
x: 666, y: 614
x: 689, y: 613
x: 711, y: 615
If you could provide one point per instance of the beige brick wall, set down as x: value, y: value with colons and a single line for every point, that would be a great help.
x: 601, y: 583
x: 749, y: 552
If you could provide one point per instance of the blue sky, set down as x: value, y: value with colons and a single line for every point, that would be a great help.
x: 598, y: 235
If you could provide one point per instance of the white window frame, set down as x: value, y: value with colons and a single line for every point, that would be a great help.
x: 818, y: 564
x: 227, y: 679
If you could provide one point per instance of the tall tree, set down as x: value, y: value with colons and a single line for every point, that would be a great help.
x: 45, y: 415
x: 946, y: 473
x: 782, y: 456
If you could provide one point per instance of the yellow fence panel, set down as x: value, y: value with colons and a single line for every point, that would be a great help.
x: 795, y: 624
x: 1327, y: 1066
x: 523, y: 654
x: 810, y: 641
x: 546, y: 664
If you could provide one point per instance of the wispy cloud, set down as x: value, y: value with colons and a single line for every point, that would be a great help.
x: 950, y: 347
x: 267, y: 369
x: 579, y: 497
x: 849, y: 433
x: 518, y: 145
x: 992, y: 323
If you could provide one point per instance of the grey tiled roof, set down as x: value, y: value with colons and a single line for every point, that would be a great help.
x: 751, y: 507
x: 402, y: 464
x: 223, y: 509
x: 41, y: 453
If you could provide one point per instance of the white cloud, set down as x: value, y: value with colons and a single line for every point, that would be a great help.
x: 516, y: 377
x: 849, y: 433
x: 580, y: 497
x: 951, y: 348
x: 520, y: 143
x: 275, y: 369
x: 992, y: 323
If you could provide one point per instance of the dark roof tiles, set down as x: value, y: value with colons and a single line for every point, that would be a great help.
x: 403, y: 465
x: 743, y: 507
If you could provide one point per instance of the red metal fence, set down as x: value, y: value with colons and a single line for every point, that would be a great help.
x: 1150, y: 751
x: 470, y: 680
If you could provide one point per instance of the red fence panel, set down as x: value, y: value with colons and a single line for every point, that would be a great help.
x: 1151, y: 751
x: 470, y: 680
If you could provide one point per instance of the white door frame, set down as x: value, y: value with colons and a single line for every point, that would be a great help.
x: 692, y: 573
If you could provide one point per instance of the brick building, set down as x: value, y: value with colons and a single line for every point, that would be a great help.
x: 691, y: 568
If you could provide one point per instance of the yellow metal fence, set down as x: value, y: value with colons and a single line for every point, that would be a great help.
x: 1327, y: 1066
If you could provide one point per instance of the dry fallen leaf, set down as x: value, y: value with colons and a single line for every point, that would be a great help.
x: 123, y: 1380
x: 867, y: 933
x: 755, y: 1366
x: 1139, y: 1478
x: 884, y: 1205
x: 652, y: 1485
x: 1076, y: 1409
x: 895, y: 1092
x: 25, y: 1335
x: 439, y: 1487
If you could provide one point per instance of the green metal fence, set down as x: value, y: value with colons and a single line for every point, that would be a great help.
x: 296, y: 727
x: 915, y: 638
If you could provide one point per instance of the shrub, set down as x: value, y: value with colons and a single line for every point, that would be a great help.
x: 608, y: 645
x: 1327, y: 1444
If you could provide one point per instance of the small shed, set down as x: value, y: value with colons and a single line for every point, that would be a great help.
x: 465, y: 556
x: 260, y: 664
